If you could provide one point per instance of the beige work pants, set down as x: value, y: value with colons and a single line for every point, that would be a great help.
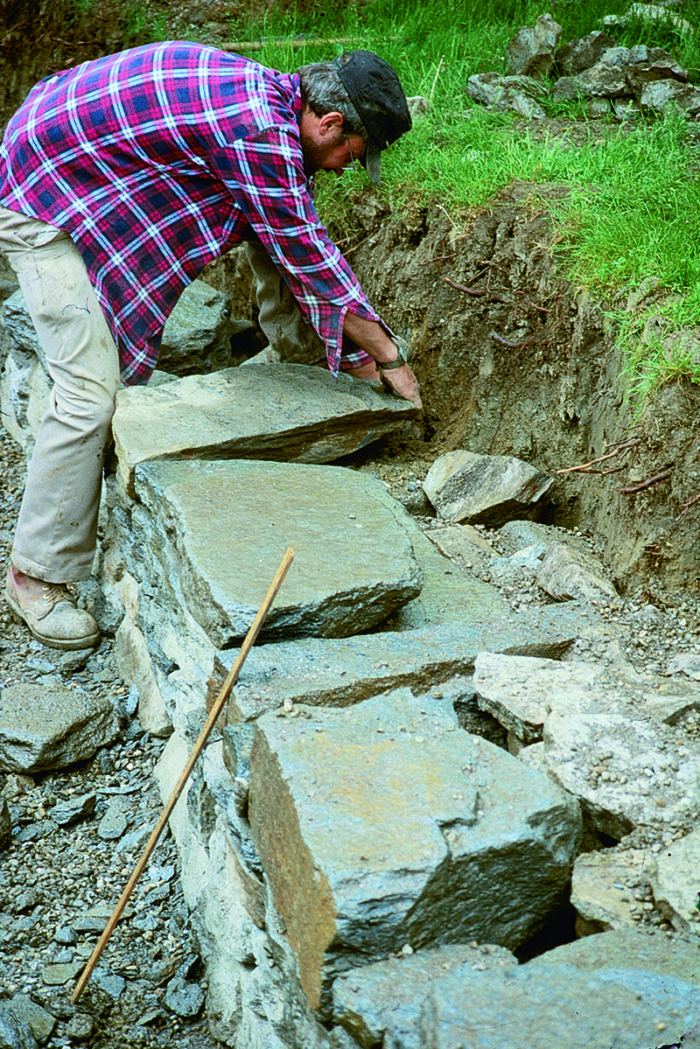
x: 280, y: 319
x: 57, y: 527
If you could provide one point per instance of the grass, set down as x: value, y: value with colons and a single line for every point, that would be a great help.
x: 634, y: 208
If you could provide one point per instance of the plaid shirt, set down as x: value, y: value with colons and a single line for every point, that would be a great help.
x: 159, y: 159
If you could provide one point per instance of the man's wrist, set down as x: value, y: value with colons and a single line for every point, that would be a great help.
x: 397, y: 362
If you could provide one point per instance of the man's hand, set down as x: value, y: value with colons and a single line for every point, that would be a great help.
x: 372, y: 338
x: 403, y: 382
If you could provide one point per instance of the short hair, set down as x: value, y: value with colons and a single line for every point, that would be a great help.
x: 323, y: 92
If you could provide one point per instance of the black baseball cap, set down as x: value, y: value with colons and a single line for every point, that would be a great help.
x: 376, y: 93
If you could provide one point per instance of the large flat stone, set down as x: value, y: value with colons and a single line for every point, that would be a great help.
x: 384, y: 824
x: 343, y: 671
x: 211, y: 535
x: 289, y: 412
x: 626, y: 773
x: 644, y: 951
x: 388, y: 996
x: 556, y: 1005
x: 674, y: 882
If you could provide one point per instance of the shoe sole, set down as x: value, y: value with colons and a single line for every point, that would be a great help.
x: 69, y: 645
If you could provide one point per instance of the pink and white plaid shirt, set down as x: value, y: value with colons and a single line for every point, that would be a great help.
x: 159, y: 159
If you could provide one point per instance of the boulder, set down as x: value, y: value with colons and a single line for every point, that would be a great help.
x: 517, y: 94
x: 567, y: 574
x: 627, y: 773
x: 675, y: 882
x: 290, y: 412
x: 531, y: 51
x: 197, y: 334
x: 576, y: 55
x: 553, y: 1005
x: 604, y: 888
x: 385, y: 825
x: 387, y: 997
x: 521, y: 691
x: 49, y: 727
x: 484, y: 489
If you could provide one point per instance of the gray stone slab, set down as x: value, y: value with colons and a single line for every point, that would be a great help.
x: 213, y: 536
x: 520, y: 691
x: 45, y: 727
x: 289, y: 412
x: 646, y: 951
x: 343, y: 671
x: 385, y: 824
x: 556, y: 1006
x: 626, y: 773
x: 388, y: 996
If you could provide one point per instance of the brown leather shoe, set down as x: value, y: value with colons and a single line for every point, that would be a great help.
x: 50, y: 611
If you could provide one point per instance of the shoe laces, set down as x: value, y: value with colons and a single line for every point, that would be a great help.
x: 55, y: 592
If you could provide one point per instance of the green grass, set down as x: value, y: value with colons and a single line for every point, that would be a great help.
x: 634, y: 207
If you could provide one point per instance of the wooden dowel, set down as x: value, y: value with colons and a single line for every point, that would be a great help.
x: 216, y: 709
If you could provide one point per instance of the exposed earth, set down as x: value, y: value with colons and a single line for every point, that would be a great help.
x: 512, y: 361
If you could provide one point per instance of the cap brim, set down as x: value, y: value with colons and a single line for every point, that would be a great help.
x: 373, y: 161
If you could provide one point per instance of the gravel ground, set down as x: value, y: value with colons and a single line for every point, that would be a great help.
x: 59, y: 883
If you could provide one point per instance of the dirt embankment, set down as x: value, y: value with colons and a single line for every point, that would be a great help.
x: 514, y: 360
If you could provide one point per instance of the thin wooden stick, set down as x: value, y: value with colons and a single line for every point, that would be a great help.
x: 185, y: 774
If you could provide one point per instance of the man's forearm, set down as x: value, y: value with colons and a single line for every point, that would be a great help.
x: 371, y: 337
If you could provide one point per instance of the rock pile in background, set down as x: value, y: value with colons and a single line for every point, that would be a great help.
x: 619, y: 81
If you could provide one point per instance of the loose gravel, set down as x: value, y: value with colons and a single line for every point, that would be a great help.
x: 77, y: 835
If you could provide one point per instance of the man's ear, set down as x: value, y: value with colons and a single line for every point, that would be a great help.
x: 331, y: 123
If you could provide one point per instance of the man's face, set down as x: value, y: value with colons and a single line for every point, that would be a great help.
x: 324, y: 144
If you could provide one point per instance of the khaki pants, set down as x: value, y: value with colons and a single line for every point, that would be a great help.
x: 57, y: 527
x: 279, y: 318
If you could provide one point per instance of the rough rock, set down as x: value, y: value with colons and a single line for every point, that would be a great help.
x: 601, y: 888
x: 576, y: 55
x: 344, y: 671
x: 289, y: 412
x: 517, y: 94
x: 520, y: 691
x: 374, y: 823
x: 627, y: 773
x: 651, y: 952
x: 197, y: 334
x: 228, y: 525
x: 49, y: 727
x: 566, y: 573
x: 555, y: 1005
x: 387, y: 996
x: 662, y: 95
x: 675, y: 882
x: 484, y: 489
x: 531, y: 51
x: 133, y: 659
